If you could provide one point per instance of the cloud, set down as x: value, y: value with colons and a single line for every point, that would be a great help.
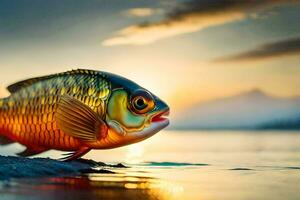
x: 270, y: 50
x: 141, y: 12
x: 188, y: 17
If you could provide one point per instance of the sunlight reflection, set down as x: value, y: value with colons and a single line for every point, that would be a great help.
x: 134, y: 154
x: 103, y: 186
x: 131, y: 180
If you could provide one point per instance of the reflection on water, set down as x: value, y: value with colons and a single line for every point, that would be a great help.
x: 124, y: 184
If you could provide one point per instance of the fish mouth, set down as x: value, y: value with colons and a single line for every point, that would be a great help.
x: 161, y: 116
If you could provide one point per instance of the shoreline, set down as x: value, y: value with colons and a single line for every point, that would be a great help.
x: 19, y: 167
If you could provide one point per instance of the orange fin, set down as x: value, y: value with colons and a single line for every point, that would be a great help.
x: 76, y: 154
x: 5, y: 141
x: 80, y: 121
x: 31, y: 152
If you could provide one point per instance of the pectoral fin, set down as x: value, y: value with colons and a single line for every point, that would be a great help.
x: 80, y: 121
x: 76, y: 154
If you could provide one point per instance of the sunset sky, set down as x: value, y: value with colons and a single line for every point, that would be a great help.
x: 183, y: 51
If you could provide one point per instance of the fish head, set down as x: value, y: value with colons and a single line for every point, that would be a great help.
x: 133, y: 113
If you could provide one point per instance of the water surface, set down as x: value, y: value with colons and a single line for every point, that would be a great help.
x: 182, y: 165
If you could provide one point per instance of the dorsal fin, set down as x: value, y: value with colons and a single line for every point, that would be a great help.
x: 17, y: 86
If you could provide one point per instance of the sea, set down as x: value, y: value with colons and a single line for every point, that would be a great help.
x: 181, y: 165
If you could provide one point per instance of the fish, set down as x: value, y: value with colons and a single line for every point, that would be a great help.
x: 77, y: 111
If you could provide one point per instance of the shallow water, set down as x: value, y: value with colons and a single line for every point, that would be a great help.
x: 182, y: 165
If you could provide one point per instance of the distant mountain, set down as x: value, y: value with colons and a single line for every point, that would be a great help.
x: 250, y: 110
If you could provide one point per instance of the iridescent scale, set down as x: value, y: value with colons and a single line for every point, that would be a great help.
x: 28, y: 115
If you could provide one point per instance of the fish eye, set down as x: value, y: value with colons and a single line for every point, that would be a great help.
x: 142, y: 102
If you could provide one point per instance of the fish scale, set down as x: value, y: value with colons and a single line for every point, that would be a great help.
x: 78, y: 111
x: 28, y: 115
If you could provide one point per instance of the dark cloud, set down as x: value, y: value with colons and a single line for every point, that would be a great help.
x: 204, y: 7
x: 192, y: 16
x: 270, y: 50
